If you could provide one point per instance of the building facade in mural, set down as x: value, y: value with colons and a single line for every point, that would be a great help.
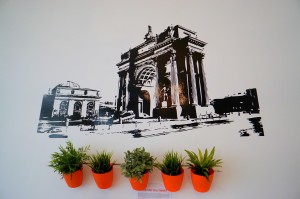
x: 164, y: 76
x: 241, y: 103
x: 69, y: 100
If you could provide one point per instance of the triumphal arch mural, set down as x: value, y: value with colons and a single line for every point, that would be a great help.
x: 164, y: 76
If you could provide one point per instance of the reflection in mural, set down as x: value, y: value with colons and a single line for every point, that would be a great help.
x: 162, y: 90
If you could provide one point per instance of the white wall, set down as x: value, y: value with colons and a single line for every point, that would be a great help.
x: 251, y: 44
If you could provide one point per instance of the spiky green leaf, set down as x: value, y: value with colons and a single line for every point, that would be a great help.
x: 203, y: 163
x: 69, y: 159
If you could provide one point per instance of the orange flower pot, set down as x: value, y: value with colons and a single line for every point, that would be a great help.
x: 200, y: 183
x: 137, y: 185
x: 74, y: 180
x: 173, y: 183
x: 104, y: 180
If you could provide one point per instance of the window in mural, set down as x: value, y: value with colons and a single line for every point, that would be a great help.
x: 63, y: 108
x: 77, y: 110
x: 90, y: 109
x: 146, y: 76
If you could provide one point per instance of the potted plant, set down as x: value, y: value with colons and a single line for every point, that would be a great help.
x: 102, y: 169
x: 68, y: 162
x: 201, y: 165
x: 137, y: 166
x: 172, y: 171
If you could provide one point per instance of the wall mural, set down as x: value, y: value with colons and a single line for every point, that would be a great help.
x: 162, y: 90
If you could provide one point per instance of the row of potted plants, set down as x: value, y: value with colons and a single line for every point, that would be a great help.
x: 137, y: 165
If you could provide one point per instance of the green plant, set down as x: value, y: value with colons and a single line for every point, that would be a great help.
x: 69, y: 159
x: 101, y: 162
x: 171, y: 164
x: 202, y: 164
x: 137, y: 163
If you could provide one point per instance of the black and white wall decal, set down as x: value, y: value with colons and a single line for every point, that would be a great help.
x: 162, y: 89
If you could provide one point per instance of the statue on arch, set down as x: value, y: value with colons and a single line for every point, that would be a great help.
x: 149, y: 34
x: 171, y: 31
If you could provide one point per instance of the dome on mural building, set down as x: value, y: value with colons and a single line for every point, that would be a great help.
x: 69, y: 84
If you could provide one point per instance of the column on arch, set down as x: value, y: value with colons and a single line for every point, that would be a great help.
x: 193, y: 77
x: 187, y: 76
x: 121, y: 93
x: 157, y: 88
x: 174, y: 80
x: 202, y: 81
x: 126, y: 91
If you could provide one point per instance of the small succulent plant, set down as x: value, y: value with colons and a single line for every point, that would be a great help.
x: 172, y: 163
x: 69, y: 159
x: 101, y: 162
x: 201, y: 164
x: 137, y: 163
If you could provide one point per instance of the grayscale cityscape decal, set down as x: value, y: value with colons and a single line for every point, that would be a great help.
x: 162, y: 90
